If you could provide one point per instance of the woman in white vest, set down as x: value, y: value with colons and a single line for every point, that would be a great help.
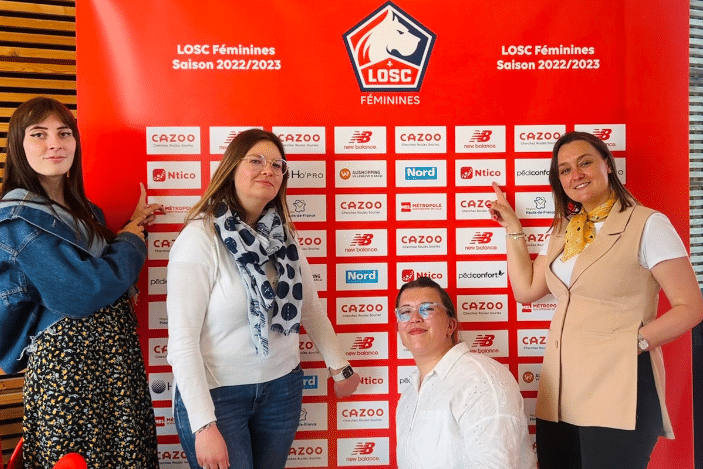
x: 601, y: 401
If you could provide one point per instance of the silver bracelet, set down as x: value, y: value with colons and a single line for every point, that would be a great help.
x: 205, y: 427
x: 518, y: 235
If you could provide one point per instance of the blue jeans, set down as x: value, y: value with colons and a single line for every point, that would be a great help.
x: 257, y: 421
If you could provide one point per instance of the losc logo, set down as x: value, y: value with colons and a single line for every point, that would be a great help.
x: 389, y: 50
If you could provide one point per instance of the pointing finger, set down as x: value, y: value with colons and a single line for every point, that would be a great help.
x: 499, y: 193
x: 142, y: 194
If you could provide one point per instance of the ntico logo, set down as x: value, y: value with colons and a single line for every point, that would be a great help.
x: 469, y: 172
x: 389, y: 50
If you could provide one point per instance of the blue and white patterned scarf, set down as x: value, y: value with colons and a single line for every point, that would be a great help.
x: 251, y: 250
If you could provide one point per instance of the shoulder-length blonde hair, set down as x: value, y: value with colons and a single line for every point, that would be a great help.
x: 222, y: 187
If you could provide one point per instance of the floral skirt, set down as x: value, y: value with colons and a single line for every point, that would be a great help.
x: 86, y: 392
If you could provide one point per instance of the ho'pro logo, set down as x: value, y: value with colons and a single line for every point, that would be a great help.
x: 389, y: 50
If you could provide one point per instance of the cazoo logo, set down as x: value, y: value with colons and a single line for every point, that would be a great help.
x: 389, y: 50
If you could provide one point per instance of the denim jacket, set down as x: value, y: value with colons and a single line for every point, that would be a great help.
x: 47, y: 272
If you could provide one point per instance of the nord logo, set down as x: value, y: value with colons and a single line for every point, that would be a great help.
x: 362, y: 276
x: 310, y: 382
x: 413, y: 174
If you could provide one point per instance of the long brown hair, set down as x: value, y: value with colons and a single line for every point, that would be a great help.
x: 20, y: 175
x: 563, y: 205
x: 222, y: 187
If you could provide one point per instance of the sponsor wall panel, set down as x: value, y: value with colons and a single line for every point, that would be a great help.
x: 393, y: 142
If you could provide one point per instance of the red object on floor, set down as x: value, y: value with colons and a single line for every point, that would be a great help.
x: 16, y: 461
x: 71, y: 461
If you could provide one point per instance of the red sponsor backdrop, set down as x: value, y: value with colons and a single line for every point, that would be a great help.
x: 618, y: 68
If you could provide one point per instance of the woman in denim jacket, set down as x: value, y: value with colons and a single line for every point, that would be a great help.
x: 65, y: 310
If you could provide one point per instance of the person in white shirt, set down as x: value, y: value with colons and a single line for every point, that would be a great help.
x: 238, y: 291
x: 460, y: 410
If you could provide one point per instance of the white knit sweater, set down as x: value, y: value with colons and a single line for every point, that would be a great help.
x: 209, y: 342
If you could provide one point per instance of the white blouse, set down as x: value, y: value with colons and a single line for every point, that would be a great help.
x: 659, y: 242
x: 468, y: 414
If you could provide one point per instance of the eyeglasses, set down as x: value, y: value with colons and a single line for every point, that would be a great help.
x: 257, y: 163
x: 426, y: 311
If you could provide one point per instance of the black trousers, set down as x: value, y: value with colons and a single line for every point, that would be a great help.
x: 561, y: 445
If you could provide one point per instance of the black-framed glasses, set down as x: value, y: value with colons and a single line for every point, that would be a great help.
x: 257, y: 163
x: 426, y: 311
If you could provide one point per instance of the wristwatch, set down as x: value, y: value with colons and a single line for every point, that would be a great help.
x: 346, y: 372
x: 642, y: 343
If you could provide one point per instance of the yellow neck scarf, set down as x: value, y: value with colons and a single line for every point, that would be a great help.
x: 581, y: 230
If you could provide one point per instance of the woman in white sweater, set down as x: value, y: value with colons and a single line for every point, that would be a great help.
x: 238, y: 292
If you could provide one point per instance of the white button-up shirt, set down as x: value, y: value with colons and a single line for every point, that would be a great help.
x: 468, y: 414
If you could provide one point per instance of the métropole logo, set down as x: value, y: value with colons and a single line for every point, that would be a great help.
x: 389, y: 50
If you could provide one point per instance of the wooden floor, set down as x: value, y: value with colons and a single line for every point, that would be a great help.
x: 10, y: 413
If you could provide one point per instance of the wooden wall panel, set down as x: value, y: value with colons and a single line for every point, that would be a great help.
x: 37, y: 57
